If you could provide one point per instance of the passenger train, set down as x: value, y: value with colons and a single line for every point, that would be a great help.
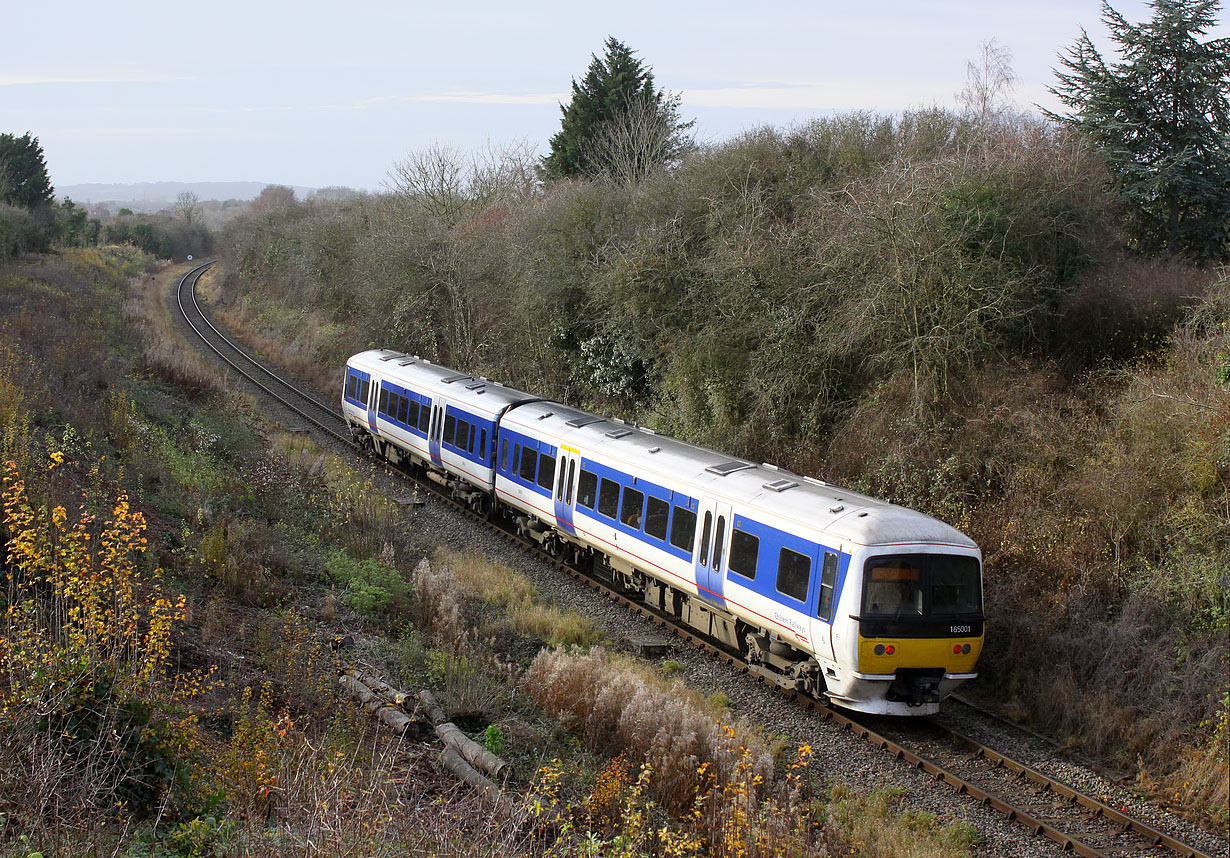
x: 824, y: 590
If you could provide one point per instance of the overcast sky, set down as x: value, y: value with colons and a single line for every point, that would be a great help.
x: 316, y: 94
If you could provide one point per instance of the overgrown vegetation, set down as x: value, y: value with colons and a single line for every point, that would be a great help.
x: 939, y: 308
x: 182, y: 590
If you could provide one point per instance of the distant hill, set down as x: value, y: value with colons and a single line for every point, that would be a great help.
x: 152, y: 196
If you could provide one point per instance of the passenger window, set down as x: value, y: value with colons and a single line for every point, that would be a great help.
x: 704, y: 539
x: 529, y: 463
x: 572, y: 474
x: 412, y: 416
x: 657, y: 517
x: 383, y: 408
x: 546, y: 471
x: 504, y: 455
x: 683, y: 529
x: 608, y: 498
x: 744, y: 552
x: 630, y: 513
x: 450, y: 428
x: 559, y: 484
x: 793, y: 574
x: 719, y: 543
x: 364, y: 390
x: 352, y: 384
x: 828, y: 578
x: 424, y: 417
x: 470, y: 445
x: 403, y: 409
x: 482, y: 446
x: 587, y: 488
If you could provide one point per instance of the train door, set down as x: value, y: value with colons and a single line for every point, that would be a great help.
x: 435, y: 430
x: 711, y: 551
x: 831, y: 564
x: 567, y: 471
x: 373, y: 391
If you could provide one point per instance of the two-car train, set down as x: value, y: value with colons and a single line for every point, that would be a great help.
x: 824, y: 590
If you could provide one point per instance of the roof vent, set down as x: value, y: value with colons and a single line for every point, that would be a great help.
x: 654, y: 450
x: 578, y: 422
x: 619, y: 433
x: 394, y: 355
x: 476, y: 385
x: 816, y: 482
x: 836, y: 509
x: 780, y: 485
x: 546, y: 414
x: 729, y: 468
x: 406, y: 362
x: 450, y: 379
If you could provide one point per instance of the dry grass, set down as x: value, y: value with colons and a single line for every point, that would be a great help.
x: 498, y: 585
x: 875, y: 826
x: 617, y: 707
x: 166, y: 353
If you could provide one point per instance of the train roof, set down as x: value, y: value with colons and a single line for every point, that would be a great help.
x: 476, y: 391
x: 842, y: 513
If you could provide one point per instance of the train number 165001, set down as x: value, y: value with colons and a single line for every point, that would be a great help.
x: 959, y: 630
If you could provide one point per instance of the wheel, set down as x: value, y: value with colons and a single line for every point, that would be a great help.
x: 481, y: 504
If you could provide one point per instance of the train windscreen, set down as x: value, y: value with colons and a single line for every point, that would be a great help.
x: 905, y: 586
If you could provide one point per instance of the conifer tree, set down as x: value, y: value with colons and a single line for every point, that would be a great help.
x: 23, y: 172
x: 1161, y: 117
x: 617, y: 121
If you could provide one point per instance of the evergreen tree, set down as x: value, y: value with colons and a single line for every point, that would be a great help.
x: 1161, y: 117
x: 617, y: 122
x: 23, y: 172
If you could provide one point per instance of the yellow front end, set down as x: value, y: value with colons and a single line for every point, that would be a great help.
x: 948, y: 653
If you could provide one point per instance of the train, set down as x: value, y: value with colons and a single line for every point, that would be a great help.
x: 824, y: 590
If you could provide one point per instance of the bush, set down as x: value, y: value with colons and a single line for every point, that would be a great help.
x: 372, y: 589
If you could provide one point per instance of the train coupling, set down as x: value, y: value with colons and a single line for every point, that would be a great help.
x: 916, y: 686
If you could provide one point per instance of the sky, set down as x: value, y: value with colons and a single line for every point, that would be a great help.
x: 317, y: 94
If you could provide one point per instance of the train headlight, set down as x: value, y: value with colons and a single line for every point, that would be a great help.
x: 958, y: 649
x: 879, y: 650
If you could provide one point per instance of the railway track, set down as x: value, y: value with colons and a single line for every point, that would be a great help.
x: 1077, y: 822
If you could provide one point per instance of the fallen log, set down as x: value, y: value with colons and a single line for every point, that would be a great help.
x: 454, y: 762
x: 450, y: 734
x: 387, y: 714
x: 378, y: 685
x: 432, y: 708
x: 474, y: 753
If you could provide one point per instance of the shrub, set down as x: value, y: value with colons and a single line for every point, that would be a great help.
x: 616, y: 708
x: 87, y: 642
x: 372, y: 589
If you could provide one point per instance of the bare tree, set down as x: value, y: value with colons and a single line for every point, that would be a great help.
x: 273, y: 198
x: 188, y: 207
x: 450, y: 184
x: 989, y: 82
x: 644, y: 137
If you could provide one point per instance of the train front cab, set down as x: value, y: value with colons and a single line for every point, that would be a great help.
x: 915, y: 629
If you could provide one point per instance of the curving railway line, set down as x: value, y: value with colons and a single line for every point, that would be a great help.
x: 1075, y: 821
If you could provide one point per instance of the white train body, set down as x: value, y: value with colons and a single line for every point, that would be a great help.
x: 823, y: 589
